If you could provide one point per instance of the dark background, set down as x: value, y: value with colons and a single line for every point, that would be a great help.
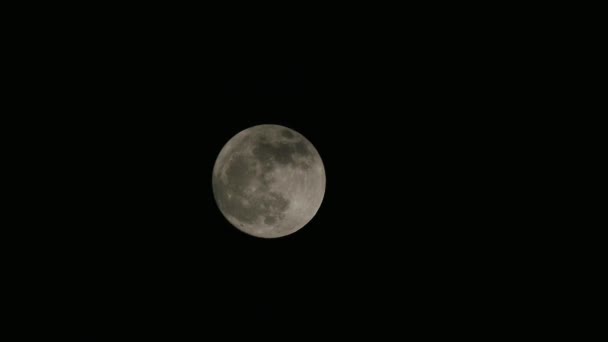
x: 411, y: 236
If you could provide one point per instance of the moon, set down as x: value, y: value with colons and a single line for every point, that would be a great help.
x: 268, y: 181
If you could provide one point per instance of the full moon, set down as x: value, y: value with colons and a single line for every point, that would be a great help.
x: 268, y: 181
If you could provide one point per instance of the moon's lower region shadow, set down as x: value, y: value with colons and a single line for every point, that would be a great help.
x: 268, y: 181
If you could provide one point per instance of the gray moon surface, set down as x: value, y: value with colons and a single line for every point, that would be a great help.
x: 268, y: 181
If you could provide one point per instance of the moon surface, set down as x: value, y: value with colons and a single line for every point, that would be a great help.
x: 268, y: 181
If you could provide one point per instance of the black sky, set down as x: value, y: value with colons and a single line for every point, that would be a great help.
x: 131, y: 242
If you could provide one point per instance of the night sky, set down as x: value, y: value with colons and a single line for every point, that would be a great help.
x: 131, y: 243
